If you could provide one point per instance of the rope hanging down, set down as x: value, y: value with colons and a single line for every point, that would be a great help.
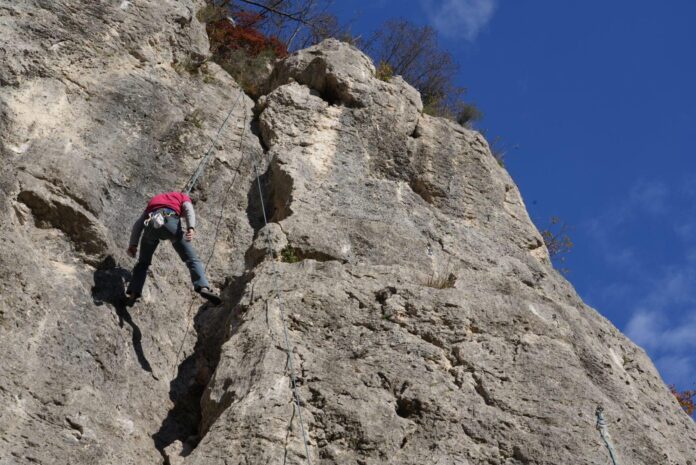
x: 204, y: 161
x: 604, y: 432
x: 189, y: 186
x: 288, y: 346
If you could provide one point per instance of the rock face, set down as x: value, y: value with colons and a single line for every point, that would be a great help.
x: 426, y: 323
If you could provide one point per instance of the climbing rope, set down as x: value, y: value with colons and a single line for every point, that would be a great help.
x: 204, y: 161
x: 189, y: 186
x: 602, y: 427
x: 288, y: 345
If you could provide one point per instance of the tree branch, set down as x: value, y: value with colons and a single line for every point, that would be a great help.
x: 276, y: 11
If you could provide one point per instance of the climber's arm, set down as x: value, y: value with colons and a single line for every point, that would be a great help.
x: 190, y: 216
x: 136, y: 231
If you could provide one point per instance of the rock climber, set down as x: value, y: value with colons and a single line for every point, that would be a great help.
x: 161, y: 221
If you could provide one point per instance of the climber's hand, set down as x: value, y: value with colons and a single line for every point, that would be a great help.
x: 189, y: 234
x: 132, y: 250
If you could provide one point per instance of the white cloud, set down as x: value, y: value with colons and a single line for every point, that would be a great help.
x: 622, y: 257
x: 460, y: 18
x: 679, y: 370
x: 645, y: 201
x: 674, y: 287
x: 644, y: 197
x: 650, y: 196
x: 681, y: 337
x: 661, y: 297
x: 664, y: 324
x: 644, y: 329
x: 686, y: 229
x: 670, y: 344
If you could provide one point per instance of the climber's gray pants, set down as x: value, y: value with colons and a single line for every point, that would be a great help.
x: 171, y: 230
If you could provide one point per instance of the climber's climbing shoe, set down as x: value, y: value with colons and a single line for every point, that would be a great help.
x: 131, y: 299
x: 209, y: 295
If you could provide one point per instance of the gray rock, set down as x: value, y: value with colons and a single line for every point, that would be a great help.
x: 432, y: 329
x: 426, y: 323
x: 97, y: 113
x: 270, y: 242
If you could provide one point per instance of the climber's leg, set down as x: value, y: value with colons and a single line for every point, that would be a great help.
x: 148, y: 245
x: 188, y: 255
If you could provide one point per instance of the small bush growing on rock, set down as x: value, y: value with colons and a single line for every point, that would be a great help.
x: 384, y: 71
x: 413, y: 53
x: 250, y: 72
x: 686, y: 399
x: 498, y: 151
x: 453, y: 108
x: 468, y: 113
x: 557, y: 240
x: 289, y: 255
x: 444, y: 278
x: 444, y: 281
x: 430, y: 108
x: 187, y: 65
x: 195, y: 118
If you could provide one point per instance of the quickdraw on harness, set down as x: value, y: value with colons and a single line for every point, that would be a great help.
x: 157, y: 218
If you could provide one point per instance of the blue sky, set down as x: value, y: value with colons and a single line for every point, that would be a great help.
x: 595, y: 104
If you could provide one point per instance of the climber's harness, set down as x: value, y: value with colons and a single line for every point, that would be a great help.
x: 157, y: 218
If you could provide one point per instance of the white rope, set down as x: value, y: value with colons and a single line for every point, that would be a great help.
x: 288, y: 346
x: 204, y: 161
x: 192, y: 182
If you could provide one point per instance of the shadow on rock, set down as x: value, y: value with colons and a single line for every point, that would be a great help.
x: 181, y: 423
x: 184, y: 427
x: 109, y: 285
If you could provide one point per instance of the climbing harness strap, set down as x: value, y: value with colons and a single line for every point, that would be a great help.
x: 157, y: 218
x: 604, y: 433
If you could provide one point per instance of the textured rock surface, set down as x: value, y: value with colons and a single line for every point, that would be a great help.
x: 101, y: 106
x: 427, y: 323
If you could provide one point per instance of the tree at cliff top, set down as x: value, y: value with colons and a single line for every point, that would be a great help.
x: 295, y: 23
x: 247, y: 36
x: 412, y: 52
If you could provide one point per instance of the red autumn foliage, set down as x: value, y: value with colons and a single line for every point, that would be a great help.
x: 687, y: 399
x: 245, y: 36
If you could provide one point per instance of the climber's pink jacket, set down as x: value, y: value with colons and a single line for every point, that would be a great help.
x: 176, y: 201
x: 172, y: 200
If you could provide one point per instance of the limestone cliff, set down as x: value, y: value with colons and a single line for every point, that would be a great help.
x: 427, y: 324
